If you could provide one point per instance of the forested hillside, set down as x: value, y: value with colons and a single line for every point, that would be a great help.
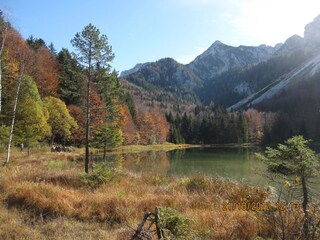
x: 45, y: 96
x: 279, y: 83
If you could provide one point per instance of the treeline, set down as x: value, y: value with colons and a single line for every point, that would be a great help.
x: 215, y: 125
x: 44, y: 97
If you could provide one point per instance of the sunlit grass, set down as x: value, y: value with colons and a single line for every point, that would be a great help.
x: 44, y: 197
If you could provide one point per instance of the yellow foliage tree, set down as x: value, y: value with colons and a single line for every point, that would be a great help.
x: 60, y: 119
x: 31, y: 116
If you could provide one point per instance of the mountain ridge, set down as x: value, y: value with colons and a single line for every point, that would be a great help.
x: 227, y: 75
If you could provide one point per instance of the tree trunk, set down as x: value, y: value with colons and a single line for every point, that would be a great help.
x: 14, y: 115
x: 52, y: 140
x: 88, y: 116
x: 0, y: 84
x: 304, y: 207
x: 28, y: 149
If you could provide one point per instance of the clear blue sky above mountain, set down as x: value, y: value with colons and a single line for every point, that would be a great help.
x: 147, y: 30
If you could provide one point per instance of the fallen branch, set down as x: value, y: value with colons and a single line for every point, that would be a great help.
x: 139, y: 233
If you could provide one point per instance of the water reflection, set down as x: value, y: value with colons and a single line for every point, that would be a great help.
x: 151, y: 162
x: 232, y: 163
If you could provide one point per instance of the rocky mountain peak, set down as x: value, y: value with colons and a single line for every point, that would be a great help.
x: 312, y: 35
x: 136, y: 68
x: 217, y: 43
x: 312, y: 30
x: 291, y: 45
x: 219, y: 58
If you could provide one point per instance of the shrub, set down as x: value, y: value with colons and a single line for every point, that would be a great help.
x: 174, y: 225
x: 198, y: 184
x: 100, y: 175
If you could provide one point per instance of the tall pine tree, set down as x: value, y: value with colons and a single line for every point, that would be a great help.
x: 93, y: 50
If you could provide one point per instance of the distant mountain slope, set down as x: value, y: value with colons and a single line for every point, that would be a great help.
x: 155, y: 99
x: 236, y: 77
x: 292, y: 44
x: 306, y: 49
x: 167, y: 75
x: 186, y: 81
x: 221, y: 58
x: 298, y: 74
x: 133, y: 70
x: 236, y: 84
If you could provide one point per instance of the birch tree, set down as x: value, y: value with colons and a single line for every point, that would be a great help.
x: 22, y: 55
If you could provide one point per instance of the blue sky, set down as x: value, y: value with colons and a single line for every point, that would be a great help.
x: 147, y: 30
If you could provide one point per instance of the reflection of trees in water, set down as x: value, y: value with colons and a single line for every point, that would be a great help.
x: 112, y: 160
x: 175, y: 159
x: 177, y: 154
x: 154, y: 162
x: 119, y: 159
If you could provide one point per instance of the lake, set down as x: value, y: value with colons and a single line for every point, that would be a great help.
x: 233, y: 163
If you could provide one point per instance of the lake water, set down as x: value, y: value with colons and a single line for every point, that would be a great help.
x: 232, y: 163
x: 238, y: 164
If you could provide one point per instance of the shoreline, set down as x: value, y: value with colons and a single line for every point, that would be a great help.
x: 170, y: 146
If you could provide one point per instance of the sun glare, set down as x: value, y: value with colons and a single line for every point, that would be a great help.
x: 271, y: 21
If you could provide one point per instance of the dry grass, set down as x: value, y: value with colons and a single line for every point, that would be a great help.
x: 41, y: 197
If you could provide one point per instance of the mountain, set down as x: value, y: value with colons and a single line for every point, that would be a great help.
x: 239, y: 83
x: 297, y: 75
x: 307, y: 50
x: 312, y: 36
x: 167, y: 75
x: 291, y: 45
x: 236, y: 77
x: 221, y: 58
x: 133, y: 70
x: 187, y: 81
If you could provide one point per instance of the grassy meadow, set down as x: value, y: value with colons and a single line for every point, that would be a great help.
x: 47, y: 196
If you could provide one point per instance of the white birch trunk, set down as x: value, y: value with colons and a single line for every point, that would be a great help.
x: 14, y: 115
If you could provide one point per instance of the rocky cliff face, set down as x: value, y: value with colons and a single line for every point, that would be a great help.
x: 221, y: 58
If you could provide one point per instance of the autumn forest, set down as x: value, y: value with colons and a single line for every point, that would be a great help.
x: 44, y: 98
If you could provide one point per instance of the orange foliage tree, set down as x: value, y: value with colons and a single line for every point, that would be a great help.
x: 129, y: 129
x: 12, y: 51
x: 256, y: 123
x: 77, y: 113
x: 98, y: 110
x: 147, y: 128
x: 153, y: 127
x: 162, y: 127
x: 44, y: 70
